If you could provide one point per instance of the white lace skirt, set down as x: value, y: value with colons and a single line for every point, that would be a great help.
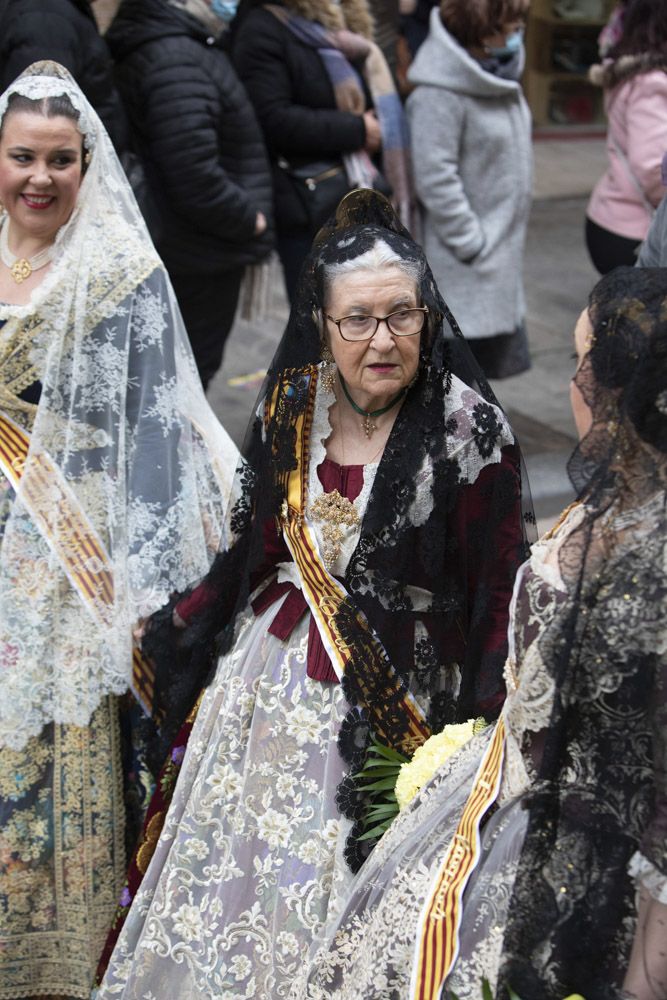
x: 250, y: 857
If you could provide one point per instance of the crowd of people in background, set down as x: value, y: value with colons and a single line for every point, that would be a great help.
x: 215, y: 666
x: 285, y: 109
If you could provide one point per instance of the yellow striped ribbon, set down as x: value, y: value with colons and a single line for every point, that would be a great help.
x: 323, y: 593
x: 440, y: 918
x: 75, y: 543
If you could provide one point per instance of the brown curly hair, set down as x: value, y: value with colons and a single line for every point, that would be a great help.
x: 470, y: 21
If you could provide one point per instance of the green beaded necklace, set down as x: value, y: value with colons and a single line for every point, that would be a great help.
x: 368, y: 415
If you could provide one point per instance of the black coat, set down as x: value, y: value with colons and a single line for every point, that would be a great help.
x: 65, y: 31
x: 197, y: 134
x: 295, y: 103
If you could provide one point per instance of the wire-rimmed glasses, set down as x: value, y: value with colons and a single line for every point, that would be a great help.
x: 401, y: 323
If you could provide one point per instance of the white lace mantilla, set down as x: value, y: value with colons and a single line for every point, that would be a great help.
x: 126, y: 437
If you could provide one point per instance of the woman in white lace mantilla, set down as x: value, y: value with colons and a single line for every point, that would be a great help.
x: 536, y: 858
x: 114, y: 475
x: 378, y: 528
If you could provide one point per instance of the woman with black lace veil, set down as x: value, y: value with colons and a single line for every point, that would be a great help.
x: 536, y: 858
x: 114, y: 475
x: 379, y: 524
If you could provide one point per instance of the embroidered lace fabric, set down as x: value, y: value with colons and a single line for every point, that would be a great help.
x: 250, y: 860
x: 122, y: 438
x: 127, y: 435
x: 368, y: 949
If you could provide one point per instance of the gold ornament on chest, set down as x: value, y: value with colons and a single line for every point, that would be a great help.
x: 21, y: 268
x: 335, y: 513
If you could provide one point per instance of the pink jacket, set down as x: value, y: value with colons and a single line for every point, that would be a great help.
x: 637, y: 112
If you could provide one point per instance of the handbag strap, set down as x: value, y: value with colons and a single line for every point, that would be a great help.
x: 629, y: 171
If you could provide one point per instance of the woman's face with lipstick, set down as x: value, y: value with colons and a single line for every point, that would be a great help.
x: 375, y: 369
x: 40, y: 173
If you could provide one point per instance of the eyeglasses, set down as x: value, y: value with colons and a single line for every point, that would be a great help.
x: 402, y: 323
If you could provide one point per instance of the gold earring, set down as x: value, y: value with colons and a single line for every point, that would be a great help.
x: 329, y: 371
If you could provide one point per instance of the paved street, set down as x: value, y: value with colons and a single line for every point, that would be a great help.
x: 558, y: 279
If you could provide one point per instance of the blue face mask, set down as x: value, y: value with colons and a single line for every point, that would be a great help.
x: 225, y: 9
x: 512, y: 45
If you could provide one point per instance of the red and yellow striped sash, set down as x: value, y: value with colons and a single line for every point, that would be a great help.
x: 324, y: 594
x: 75, y: 543
x: 440, y: 918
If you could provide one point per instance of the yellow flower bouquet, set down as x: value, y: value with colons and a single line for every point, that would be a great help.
x: 391, y: 780
x: 430, y: 756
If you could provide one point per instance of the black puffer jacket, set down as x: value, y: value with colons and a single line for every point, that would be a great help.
x: 66, y: 31
x: 294, y: 100
x: 196, y: 131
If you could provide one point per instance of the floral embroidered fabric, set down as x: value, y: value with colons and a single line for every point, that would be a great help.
x: 574, y: 859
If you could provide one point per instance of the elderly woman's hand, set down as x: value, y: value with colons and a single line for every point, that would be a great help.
x: 373, y: 133
x: 139, y: 631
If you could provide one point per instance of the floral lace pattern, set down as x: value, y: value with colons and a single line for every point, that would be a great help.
x: 121, y: 500
x: 371, y: 941
x: 249, y: 863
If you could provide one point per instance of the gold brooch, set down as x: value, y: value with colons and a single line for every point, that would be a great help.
x: 336, y: 512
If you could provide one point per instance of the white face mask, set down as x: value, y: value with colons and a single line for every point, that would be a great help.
x: 512, y: 45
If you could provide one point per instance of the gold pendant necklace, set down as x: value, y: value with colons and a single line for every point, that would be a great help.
x: 21, y: 268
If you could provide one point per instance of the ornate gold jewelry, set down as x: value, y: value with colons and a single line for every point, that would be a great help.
x: 329, y: 372
x: 328, y: 378
x: 336, y: 512
x: 21, y: 268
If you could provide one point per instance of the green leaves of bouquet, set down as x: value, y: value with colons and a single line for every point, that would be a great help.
x: 378, y: 780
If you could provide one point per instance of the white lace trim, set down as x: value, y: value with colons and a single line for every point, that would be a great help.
x: 38, y: 87
x: 647, y: 875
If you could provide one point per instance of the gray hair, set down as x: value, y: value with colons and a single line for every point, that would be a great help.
x: 377, y: 258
